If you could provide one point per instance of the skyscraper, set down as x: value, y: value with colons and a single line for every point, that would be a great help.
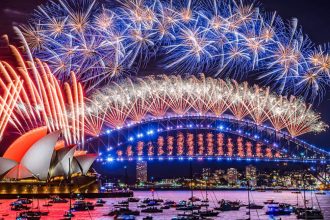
x: 232, y: 176
x: 142, y: 171
x: 251, y: 174
x: 206, y: 173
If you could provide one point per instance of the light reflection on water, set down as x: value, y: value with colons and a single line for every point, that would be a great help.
x: 57, y: 210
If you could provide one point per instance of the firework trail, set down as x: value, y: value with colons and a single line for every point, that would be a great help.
x: 33, y: 97
x: 133, y: 101
x: 101, y: 42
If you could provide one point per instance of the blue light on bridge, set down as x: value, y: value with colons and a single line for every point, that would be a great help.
x: 150, y: 132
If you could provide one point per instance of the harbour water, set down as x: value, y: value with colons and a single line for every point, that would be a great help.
x: 57, y: 210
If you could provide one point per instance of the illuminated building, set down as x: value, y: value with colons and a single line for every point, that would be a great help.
x: 232, y: 176
x: 39, y: 155
x: 142, y: 171
x: 206, y: 173
x: 251, y: 175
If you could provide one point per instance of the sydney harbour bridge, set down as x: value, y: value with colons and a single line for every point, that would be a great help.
x: 77, y: 78
x: 194, y: 120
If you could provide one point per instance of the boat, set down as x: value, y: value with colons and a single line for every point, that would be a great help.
x: 57, y: 199
x: 29, y: 215
x: 165, y: 207
x: 81, y: 205
x: 310, y: 214
x: 188, y: 216
x: 24, y: 201
x: 170, y: 203
x: 149, y: 217
x: 194, y: 199
x: 124, y: 202
x: 254, y: 206
x: 301, y: 209
x: 181, y: 203
x: 279, y: 209
x: 152, y: 210
x: 133, y: 199
x: 153, y: 203
x: 98, y: 204
x: 125, y: 217
x: 120, y: 204
x: 320, y: 193
x: 80, y: 197
x: 147, y: 200
x: 207, y: 213
x: 270, y: 201
x: 123, y: 211
x: 205, y: 203
x: 19, y: 207
x: 141, y: 206
x: 101, y: 201
x: 228, y: 206
x: 296, y: 192
x: 68, y: 215
x: 189, y: 207
x: 47, y: 204
x: 277, y: 191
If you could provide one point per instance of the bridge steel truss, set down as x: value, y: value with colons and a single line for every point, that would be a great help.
x: 295, y: 149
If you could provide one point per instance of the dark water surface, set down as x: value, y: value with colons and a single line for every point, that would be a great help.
x: 57, y: 210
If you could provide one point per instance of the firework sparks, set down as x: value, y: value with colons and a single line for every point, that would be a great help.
x: 189, y: 96
x: 33, y: 98
x: 231, y: 38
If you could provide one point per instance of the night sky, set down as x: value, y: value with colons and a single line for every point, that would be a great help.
x: 313, y: 16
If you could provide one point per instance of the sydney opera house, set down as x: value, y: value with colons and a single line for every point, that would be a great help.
x: 38, y: 157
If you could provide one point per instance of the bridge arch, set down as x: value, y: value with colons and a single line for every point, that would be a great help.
x: 281, y: 146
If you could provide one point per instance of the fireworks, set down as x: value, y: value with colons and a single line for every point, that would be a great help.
x: 220, y: 38
x: 133, y: 101
x: 94, y: 46
x: 33, y: 98
x: 8, y: 101
x: 245, y: 149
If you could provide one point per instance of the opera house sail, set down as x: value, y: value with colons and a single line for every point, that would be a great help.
x: 41, y: 158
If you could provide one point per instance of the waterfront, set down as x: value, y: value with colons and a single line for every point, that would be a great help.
x: 57, y: 210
